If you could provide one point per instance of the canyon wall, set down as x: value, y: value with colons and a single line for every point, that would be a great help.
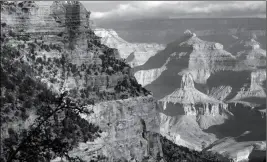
x: 69, y: 58
x: 124, y: 124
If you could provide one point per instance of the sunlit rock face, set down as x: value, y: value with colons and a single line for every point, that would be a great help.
x: 148, y: 76
x: 124, y: 124
x: 237, y: 151
x: 185, y: 131
x: 145, y: 77
x: 136, y: 54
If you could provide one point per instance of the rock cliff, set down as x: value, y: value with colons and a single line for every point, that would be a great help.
x: 146, y: 77
x: 190, y: 52
x: 65, y: 54
x: 124, y: 124
x: 136, y: 54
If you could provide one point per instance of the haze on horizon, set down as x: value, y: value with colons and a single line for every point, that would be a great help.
x: 129, y: 10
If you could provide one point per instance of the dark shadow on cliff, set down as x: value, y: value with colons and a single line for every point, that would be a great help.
x: 245, y: 119
x: 235, y: 79
x: 169, y: 80
x: 171, y: 109
x: 165, y: 84
x: 161, y: 57
x: 257, y: 156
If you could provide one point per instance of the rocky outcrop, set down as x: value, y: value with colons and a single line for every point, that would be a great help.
x: 189, y: 98
x: 188, y: 101
x: 136, y: 54
x: 124, y: 124
x: 184, y: 130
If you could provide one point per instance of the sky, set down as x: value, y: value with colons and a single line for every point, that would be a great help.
x: 174, y: 9
x: 128, y: 10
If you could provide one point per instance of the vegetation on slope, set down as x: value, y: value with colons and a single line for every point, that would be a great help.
x: 175, y: 153
x: 36, y: 124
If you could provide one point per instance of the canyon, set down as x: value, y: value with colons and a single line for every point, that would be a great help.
x: 201, y: 89
x: 193, y: 91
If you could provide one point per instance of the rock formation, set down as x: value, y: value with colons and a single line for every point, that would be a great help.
x: 125, y: 122
x: 187, y: 97
x: 200, y: 57
x: 136, y: 54
x: 64, y: 52
x: 204, y: 92
x: 209, y: 85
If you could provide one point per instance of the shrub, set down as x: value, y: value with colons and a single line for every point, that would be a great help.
x: 53, y: 80
x: 11, y: 33
x: 27, y: 104
x: 24, y: 115
x: 21, y: 97
x: 39, y: 60
x: 10, y: 98
x: 6, y: 110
